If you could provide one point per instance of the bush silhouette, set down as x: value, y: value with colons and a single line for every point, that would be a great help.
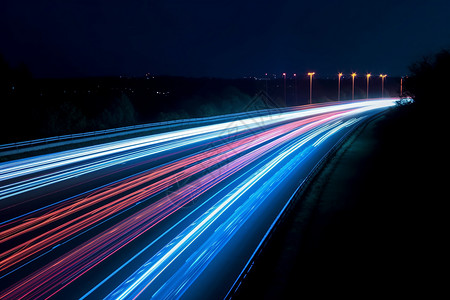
x: 429, y: 80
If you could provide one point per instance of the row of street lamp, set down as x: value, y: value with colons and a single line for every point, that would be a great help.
x: 368, y: 75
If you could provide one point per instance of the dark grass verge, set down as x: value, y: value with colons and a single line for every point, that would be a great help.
x: 369, y: 224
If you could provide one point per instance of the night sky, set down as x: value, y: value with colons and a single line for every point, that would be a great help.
x: 235, y: 38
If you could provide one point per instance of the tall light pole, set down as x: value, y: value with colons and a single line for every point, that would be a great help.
x: 382, y: 84
x: 310, y: 74
x: 284, y: 76
x: 401, y: 86
x: 339, y: 86
x: 267, y: 79
x: 368, y: 76
x: 295, y: 89
x: 353, y: 85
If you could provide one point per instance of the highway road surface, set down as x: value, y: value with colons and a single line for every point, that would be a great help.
x: 174, y: 214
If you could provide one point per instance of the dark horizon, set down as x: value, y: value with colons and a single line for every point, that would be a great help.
x: 221, y: 39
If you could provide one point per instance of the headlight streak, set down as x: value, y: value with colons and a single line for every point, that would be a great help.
x: 44, y: 180
x: 336, y: 129
x: 185, y: 275
x: 179, y: 282
x: 53, y: 236
x: 143, y: 277
x: 45, y: 162
x: 89, y: 254
x: 49, y: 161
x: 283, y: 144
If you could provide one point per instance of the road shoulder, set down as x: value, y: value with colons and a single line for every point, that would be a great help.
x: 360, y: 229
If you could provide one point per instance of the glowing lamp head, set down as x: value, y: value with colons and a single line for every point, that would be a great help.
x: 284, y: 74
x: 353, y: 75
x: 295, y: 75
x: 340, y: 74
x: 311, y: 73
x: 368, y: 75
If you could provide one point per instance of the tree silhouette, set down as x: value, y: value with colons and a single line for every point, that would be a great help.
x: 429, y: 80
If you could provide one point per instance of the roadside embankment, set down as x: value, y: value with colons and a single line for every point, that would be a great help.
x: 367, y: 225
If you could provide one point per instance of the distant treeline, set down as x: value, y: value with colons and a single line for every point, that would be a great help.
x: 429, y: 82
x: 34, y: 107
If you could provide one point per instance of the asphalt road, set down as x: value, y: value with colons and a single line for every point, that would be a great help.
x: 175, y: 214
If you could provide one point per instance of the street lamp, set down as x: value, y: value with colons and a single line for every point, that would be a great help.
x: 382, y: 84
x: 267, y: 79
x: 295, y: 88
x: 353, y: 85
x: 284, y: 76
x: 339, y: 86
x: 310, y: 74
x: 368, y: 76
x: 401, y: 86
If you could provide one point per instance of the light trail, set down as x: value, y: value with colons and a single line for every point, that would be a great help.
x: 50, y: 161
x: 52, y: 237
x: 114, y: 239
x: 144, y: 276
x: 237, y: 177
x: 136, y: 284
